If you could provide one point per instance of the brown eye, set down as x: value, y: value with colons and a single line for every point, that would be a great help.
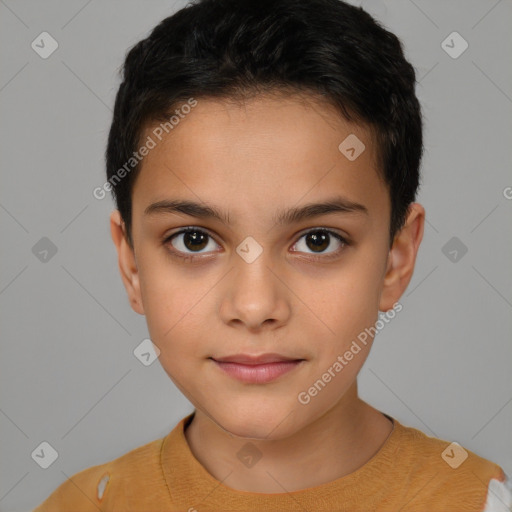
x: 318, y: 240
x: 195, y: 240
x: 189, y: 241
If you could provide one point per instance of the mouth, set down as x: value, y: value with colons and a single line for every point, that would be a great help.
x: 256, y: 369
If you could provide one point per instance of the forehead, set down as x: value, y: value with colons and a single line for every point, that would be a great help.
x: 254, y: 157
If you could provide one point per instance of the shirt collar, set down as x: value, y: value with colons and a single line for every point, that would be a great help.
x: 191, y: 486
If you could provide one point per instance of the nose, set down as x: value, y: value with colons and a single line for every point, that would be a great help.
x: 255, y: 296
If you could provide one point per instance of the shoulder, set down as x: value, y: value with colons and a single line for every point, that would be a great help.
x: 447, y: 472
x: 86, y: 490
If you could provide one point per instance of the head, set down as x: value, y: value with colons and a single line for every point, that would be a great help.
x: 286, y: 138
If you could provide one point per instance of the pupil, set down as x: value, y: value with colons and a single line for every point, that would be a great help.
x: 194, y: 240
x: 319, y: 240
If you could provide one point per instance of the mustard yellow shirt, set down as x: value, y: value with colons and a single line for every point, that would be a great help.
x: 410, y: 472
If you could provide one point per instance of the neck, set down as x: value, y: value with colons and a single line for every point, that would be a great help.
x: 338, y: 443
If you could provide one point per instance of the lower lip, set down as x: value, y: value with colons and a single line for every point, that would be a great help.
x: 257, y: 373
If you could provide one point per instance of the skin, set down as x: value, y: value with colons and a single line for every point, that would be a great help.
x: 253, y: 160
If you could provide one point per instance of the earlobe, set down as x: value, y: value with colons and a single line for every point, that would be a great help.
x: 126, y: 261
x: 402, y: 257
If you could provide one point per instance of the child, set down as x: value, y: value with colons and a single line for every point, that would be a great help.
x: 264, y: 158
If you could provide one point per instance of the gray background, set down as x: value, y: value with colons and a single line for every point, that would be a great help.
x: 68, y: 372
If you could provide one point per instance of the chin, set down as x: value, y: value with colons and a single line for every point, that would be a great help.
x: 258, y: 424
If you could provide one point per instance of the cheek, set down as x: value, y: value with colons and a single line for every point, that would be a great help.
x: 347, y: 301
x: 349, y: 307
x: 174, y: 299
x: 164, y: 296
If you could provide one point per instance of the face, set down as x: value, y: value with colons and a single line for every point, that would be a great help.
x: 268, y: 275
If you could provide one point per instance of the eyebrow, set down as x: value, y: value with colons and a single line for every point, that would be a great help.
x: 290, y: 216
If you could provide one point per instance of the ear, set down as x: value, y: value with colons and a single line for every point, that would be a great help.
x: 402, y: 257
x: 126, y: 261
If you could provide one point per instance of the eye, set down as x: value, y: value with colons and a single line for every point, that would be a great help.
x: 319, y: 239
x: 190, y: 241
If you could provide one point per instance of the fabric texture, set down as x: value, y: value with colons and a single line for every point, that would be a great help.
x: 410, y: 472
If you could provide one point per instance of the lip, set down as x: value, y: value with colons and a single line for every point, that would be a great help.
x: 253, y: 359
x: 256, y: 369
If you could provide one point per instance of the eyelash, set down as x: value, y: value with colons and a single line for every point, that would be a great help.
x: 190, y: 257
